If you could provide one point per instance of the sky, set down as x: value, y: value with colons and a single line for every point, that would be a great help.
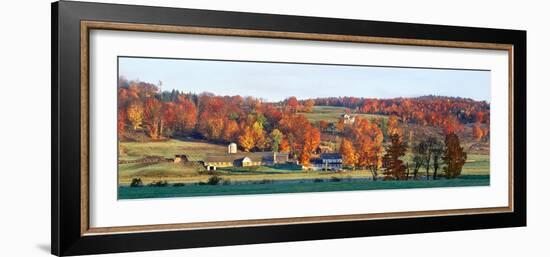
x: 274, y: 82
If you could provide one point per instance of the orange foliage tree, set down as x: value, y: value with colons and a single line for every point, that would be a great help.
x: 454, y: 156
x: 308, y: 105
x: 186, y: 116
x: 393, y: 126
x: 477, y: 132
x: 292, y: 104
x: 367, y: 141
x: 230, y: 131
x: 153, y: 117
x: 451, y: 125
x: 121, y: 122
x: 349, y: 155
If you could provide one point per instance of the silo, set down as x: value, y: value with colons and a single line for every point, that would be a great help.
x: 232, y: 148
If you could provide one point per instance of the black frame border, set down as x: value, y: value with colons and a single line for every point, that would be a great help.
x: 66, y: 236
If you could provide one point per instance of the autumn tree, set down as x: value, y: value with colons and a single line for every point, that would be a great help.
x: 211, y: 117
x: 284, y: 146
x: 454, y: 156
x: 153, y: 117
x: 477, y: 132
x: 451, y: 124
x: 298, y: 130
x: 246, y: 139
x: 169, y: 118
x: 135, y: 114
x: 419, y: 156
x: 276, y: 136
x: 293, y: 104
x: 308, y: 105
x: 393, y: 126
x: 312, y: 138
x: 186, y: 115
x: 367, y: 141
x: 121, y: 122
x: 230, y: 131
x: 348, y: 153
x: 395, y: 169
x: 258, y: 135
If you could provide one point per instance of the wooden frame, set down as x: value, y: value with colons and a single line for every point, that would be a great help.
x: 71, y: 24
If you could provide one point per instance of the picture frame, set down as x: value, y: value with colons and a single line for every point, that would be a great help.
x: 72, y: 23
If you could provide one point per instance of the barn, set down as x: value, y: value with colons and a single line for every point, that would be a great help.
x: 243, y: 159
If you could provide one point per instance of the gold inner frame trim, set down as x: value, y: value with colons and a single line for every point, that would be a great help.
x: 86, y: 26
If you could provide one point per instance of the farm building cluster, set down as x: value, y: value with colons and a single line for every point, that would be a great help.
x: 234, y: 158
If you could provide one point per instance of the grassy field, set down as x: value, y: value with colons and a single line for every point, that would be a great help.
x: 194, y: 173
x: 332, y: 114
x: 126, y: 192
x: 196, y: 150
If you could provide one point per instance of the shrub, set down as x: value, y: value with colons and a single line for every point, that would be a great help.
x: 160, y: 183
x: 317, y: 180
x: 335, y: 179
x: 178, y: 184
x: 265, y: 181
x: 213, y: 180
x: 136, y: 182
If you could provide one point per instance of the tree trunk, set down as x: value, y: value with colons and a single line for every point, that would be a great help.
x: 374, y: 174
x: 428, y: 170
x: 407, y: 169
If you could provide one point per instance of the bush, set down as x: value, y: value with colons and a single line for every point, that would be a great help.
x: 136, y: 182
x: 213, y: 180
x: 161, y: 183
x: 226, y: 182
x: 335, y: 179
x: 178, y: 184
x: 264, y: 181
x: 317, y: 180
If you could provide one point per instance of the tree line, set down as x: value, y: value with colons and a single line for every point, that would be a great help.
x: 251, y: 123
x: 425, y: 110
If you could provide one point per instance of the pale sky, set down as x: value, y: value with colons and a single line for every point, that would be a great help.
x: 278, y: 81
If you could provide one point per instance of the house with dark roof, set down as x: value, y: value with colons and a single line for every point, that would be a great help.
x: 327, y: 161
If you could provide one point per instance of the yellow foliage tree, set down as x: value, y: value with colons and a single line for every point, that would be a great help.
x: 135, y: 115
x: 246, y: 139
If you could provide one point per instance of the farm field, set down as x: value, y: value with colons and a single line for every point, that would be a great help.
x: 196, y: 150
x: 332, y: 114
x: 475, y: 172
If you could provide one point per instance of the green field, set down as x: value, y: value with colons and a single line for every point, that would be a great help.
x: 332, y: 114
x: 126, y: 192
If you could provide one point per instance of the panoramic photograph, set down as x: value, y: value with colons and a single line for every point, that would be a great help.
x: 193, y: 127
